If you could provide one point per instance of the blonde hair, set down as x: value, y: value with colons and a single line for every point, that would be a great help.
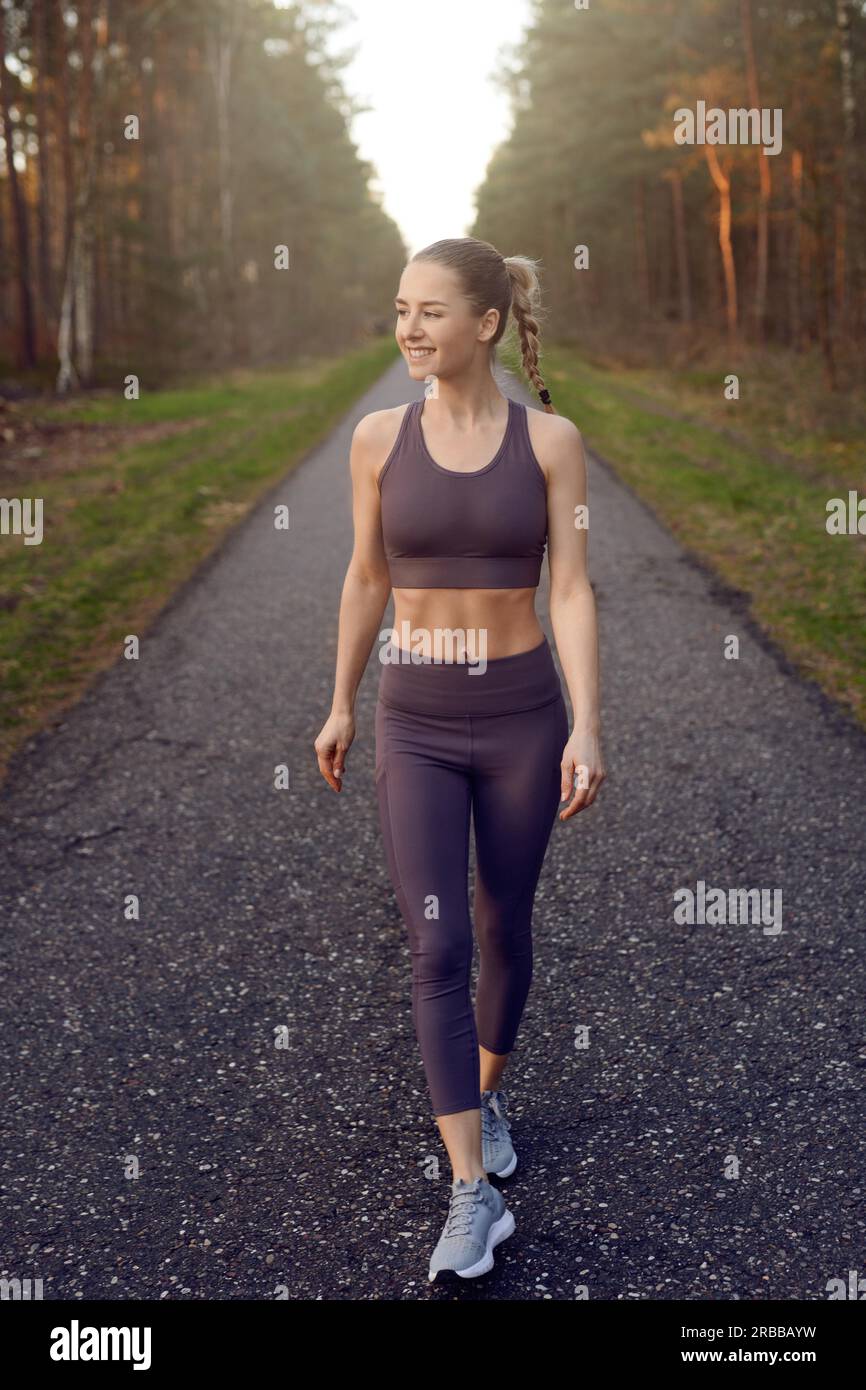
x: 492, y: 281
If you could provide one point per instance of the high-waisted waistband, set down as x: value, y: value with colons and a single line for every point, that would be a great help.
x: 502, y: 686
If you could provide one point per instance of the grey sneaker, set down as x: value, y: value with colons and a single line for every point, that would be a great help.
x: 497, y: 1150
x: 478, y: 1219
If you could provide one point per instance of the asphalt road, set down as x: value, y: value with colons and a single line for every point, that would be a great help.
x: 149, y: 1045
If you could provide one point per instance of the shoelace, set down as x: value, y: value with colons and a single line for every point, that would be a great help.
x: 461, y: 1211
x: 492, y: 1109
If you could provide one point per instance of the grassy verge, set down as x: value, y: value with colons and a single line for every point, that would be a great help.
x: 744, y: 485
x: 135, y: 495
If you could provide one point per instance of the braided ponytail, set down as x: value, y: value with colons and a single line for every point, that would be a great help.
x: 525, y: 300
x: 492, y: 281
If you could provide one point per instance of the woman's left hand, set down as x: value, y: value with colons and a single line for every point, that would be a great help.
x: 583, y: 769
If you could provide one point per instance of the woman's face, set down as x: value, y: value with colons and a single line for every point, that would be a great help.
x: 437, y: 330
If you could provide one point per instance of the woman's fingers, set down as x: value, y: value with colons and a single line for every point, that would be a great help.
x: 575, y: 805
x: 597, y: 780
x: 331, y: 764
x: 571, y: 778
x: 324, y: 760
x: 565, y: 786
x: 333, y: 743
x: 586, y: 785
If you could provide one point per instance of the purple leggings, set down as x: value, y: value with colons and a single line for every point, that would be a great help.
x: 448, y: 742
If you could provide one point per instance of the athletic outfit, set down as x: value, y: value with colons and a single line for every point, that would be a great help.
x: 453, y: 741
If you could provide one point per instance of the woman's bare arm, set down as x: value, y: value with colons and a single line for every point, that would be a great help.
x: 572, y: 603
x: 366, y: 589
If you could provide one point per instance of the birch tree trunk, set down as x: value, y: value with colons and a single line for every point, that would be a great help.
x: 45, y: 201
x: 75, y: 339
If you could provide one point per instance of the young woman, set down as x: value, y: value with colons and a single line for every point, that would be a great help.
x: 454, y: 497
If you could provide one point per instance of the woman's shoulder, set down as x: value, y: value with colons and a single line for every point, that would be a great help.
x: 380, y: 426
x: 556, y: 440
x: 376, y: 434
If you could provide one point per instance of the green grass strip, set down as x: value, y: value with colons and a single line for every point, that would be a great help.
x: 135, y: 495
x: 744, y: 486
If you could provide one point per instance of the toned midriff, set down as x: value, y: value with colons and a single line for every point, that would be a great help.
x: 507, y: 616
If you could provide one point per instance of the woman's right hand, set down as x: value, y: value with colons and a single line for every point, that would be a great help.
x: 332, y: 745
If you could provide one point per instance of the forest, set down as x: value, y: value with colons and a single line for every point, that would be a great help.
x: 655, y: 244
x: 184, y: 191
x: 179, y: 186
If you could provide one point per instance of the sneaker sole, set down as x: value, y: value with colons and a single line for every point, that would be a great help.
x: 508, y: 1169
x: 499, y: 1231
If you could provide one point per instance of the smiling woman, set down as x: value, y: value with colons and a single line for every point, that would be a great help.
x: 474, y: 579
x: 456, y: 497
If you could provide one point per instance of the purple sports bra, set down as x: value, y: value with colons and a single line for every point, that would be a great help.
x: 447, y: 530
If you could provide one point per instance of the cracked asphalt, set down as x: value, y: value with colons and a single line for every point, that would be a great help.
x: 222, y: 1097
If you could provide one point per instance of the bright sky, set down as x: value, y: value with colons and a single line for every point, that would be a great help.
x: 436, y: 117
